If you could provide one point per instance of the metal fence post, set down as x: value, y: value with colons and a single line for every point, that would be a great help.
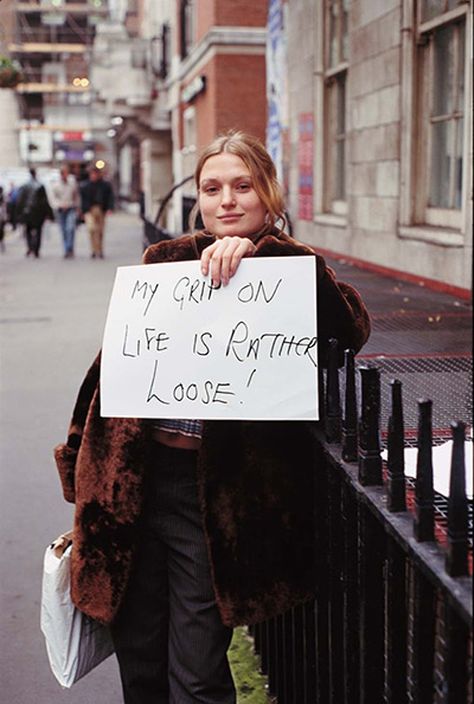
x: 395, y: 625
x: 370, y: 462
x: 456, y: 556
x: 351, y: 603
x: 309, y: 649
x: 349, y: 421
x: 424, y: 495
x: 396, y: 500
x: 333, y: 401
x: 458, y: 659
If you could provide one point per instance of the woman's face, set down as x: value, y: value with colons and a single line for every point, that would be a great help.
x: 228, y: 202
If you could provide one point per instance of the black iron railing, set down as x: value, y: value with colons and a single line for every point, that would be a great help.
x: 392, y: 617
x: 153, y: 232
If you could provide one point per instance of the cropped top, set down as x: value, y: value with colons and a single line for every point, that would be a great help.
x: 190, y: 428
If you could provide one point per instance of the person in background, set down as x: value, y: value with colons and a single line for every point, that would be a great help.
x: 186, y: 528
x: 97, y: 201
x: 66, y: 202
x: 11, y: 202
x: 3, y: 218
x: 32, y: 208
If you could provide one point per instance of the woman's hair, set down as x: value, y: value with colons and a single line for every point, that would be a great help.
x: 261, y: 167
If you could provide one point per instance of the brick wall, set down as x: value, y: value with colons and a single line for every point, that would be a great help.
x: 235, y: 93
x: 206, y: 18
x: 230, y: 13
x: 240, y: 95
x: 234, y: 97
x: 248, y: 13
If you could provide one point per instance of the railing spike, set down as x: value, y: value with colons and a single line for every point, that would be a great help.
x: 349, y: 421
x: 333, y: 401
x: 370, y: 462
x: 424, y: 493
x: 458, y: 527
x: 396, y: 496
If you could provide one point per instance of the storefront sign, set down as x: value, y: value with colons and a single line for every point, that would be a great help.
x: 36, y: 145
x: 197, y: 85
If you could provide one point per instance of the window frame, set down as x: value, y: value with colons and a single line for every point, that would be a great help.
x: 187, y: 27
x: 333, y: 75
x: 418, y: 220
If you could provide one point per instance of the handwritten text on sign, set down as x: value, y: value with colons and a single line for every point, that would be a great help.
x: 175, y: 346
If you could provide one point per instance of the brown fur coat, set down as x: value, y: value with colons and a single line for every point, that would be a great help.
x: 255, y: 478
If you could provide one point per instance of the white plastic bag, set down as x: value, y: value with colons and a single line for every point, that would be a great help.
x: 76, y: 644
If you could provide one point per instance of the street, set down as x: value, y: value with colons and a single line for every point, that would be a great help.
x: 53, y: 312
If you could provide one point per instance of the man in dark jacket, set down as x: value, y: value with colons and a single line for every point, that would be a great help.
x: 32, y: 208
x: 97, y: 200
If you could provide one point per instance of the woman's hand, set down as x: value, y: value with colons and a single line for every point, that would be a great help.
x: 223, y: 257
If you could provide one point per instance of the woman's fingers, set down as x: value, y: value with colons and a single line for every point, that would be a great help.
x: 246, y: 248
x: 221, y: 259
x: 229, y: 258
x: 206, y: 258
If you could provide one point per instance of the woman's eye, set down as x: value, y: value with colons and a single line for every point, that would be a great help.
x: 244, y: 187
x: 210, y: 190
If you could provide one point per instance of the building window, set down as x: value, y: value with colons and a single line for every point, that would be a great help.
x: 439, y: 110
x: 187, y: 26
x: 335, y: 80
x: 165, y: 50
x: 189, y: 140
x: 161, y: 52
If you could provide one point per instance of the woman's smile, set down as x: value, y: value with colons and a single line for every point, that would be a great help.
x: 230, y: 218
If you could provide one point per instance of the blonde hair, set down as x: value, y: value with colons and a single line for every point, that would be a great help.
x: 261, y: 167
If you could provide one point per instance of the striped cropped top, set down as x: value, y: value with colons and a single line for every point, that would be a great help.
x: 190, y: 428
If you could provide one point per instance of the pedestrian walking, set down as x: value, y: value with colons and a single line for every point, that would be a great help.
x: 3, y: 218
x: 11, y: 203
x: 97, y: 201
x: 186, y: 528
x: 66, y: 202
x: 32, y: 208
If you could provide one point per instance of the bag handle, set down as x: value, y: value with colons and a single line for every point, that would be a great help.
x: 61, y: 544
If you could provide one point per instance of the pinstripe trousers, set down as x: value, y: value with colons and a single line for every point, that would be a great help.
x: 169, y: 639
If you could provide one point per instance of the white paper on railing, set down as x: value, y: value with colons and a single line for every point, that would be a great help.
x: 441, y: 460
x: 177, y: 347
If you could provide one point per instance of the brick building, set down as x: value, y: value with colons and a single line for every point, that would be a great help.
x: 379, y: 134
x: 220, y: 76
x: 172, y: 75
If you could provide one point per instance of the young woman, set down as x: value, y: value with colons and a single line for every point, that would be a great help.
x: 184, y: 529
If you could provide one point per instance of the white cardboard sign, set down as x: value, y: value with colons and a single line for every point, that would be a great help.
x: 177, y: 347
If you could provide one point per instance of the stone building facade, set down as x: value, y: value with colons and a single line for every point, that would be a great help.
x: 380, y: 133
